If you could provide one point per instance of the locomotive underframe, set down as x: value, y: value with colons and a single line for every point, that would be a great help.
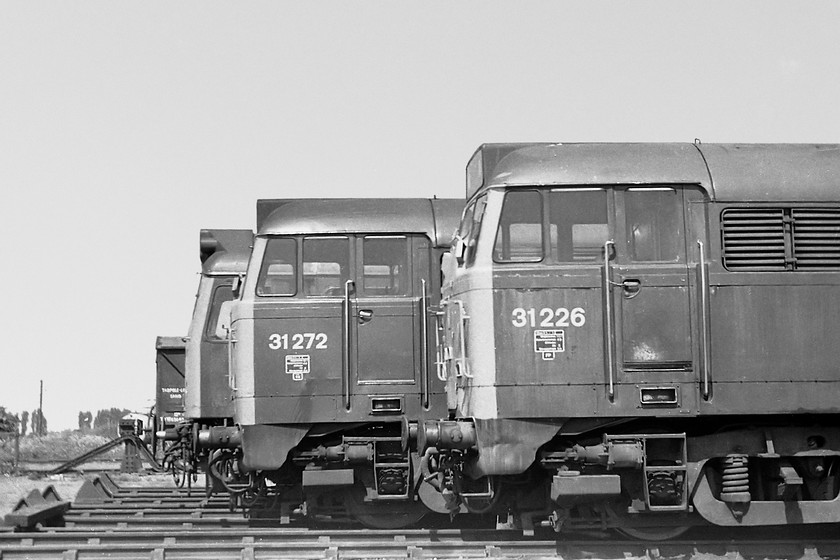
x: 772, y: 474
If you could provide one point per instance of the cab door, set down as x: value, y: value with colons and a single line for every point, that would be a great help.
x: 651, y: 290
x: 300, y: 359
x: 387, y: 324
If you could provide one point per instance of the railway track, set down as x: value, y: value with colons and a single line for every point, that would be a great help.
x: 110, y: 521
x: 333, y: 544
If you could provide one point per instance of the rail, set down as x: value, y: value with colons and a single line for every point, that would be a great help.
x: 442, y: 544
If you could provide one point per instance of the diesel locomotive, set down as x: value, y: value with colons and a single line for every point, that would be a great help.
x: 333, y: 351
x: 640, y: 337
x: 193, y: 390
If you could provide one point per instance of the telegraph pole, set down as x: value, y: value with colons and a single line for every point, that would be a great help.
x: 41, y: 409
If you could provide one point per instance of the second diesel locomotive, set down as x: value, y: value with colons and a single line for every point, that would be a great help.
x: 643, y: 337
x: 333, y: 350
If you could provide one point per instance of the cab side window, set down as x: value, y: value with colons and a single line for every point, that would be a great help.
x: 654, y: 225
x: 385, y: 266
x: 326, y: 265
x: 278, y: 273
x: 579, y: 225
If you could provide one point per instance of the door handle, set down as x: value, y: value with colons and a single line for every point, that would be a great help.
x: 365, y: 315
x: 631, y: 287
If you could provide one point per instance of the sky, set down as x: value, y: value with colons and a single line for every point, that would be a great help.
x: 126, y: 127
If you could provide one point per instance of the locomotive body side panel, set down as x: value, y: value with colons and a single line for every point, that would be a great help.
x: 553, y: 327
x: 775, y: 308
x: 346, y: 344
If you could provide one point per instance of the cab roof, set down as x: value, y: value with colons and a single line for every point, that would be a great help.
x: 728, y: 172
x: 225, y: 251
x: 436, y: 218
x: 170, y: 343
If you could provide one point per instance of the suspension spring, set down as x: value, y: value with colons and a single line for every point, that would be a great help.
x: 736, y: 480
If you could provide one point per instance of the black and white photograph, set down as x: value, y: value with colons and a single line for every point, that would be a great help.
x: 402, y: 280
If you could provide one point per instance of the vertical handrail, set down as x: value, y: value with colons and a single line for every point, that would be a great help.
x: 348, y: 326
x: 440, y: 365
x: 231, y: 377
x: 424, y: 347
x: 609, y: 335
x: 462, y: 366
x: 703, y: 273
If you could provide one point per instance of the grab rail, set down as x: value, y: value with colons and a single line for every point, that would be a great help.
x: 348, y: 325
x: 424, y: 347
x: 703, y: 273
x: 609, y: 335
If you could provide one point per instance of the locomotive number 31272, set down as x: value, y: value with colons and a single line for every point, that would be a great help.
x: 298, y: 341
x: 547, y: 317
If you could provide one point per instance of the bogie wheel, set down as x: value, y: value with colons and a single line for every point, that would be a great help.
x: 653, y: 533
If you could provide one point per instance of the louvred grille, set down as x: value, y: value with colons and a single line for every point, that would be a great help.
x: 781, y: 238
x: 754, y: 239
x: 816, y: 238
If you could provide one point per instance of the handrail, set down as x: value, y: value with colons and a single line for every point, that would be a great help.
x: 440, y: 360
x: 703, y: 273
x: 424, y: 347
x: 609, y: 335
x: 230, y: 375
x: 348, y: 325
x: 462, y: 366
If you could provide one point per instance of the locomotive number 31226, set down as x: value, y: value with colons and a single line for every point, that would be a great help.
x: 547, y: 317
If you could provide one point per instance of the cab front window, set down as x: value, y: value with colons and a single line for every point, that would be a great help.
x: 221, y: 294
x: 520, y: 234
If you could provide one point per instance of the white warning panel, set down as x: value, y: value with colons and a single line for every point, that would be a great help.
x: 297, y: 365
x: 549, y: 342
